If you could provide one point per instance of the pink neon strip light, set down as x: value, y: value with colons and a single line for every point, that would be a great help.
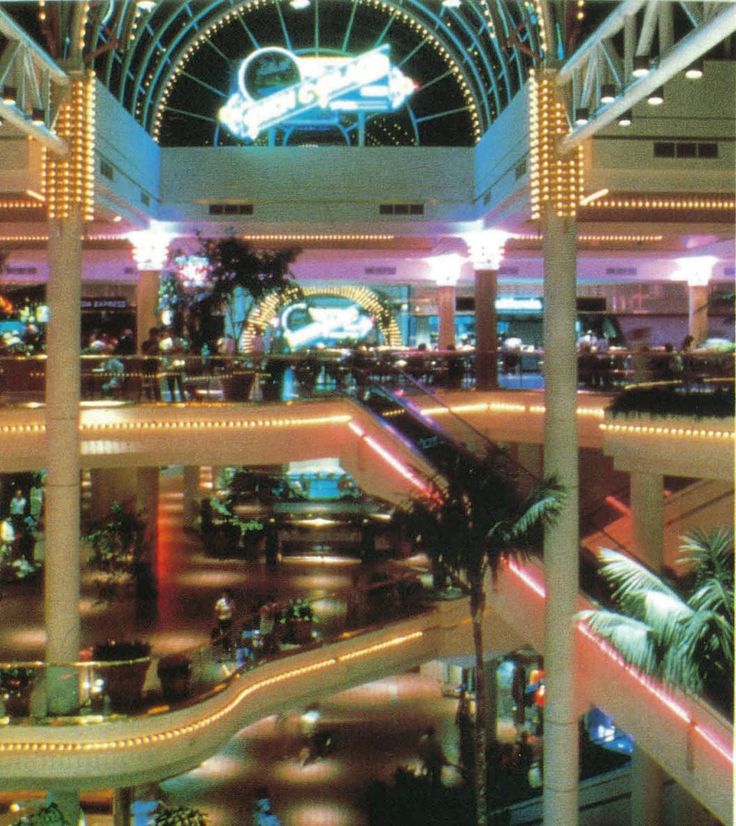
x: 667, y: 700
x: 389, y: 458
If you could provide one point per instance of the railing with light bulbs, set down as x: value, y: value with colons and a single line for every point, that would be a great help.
x: 112, y: 689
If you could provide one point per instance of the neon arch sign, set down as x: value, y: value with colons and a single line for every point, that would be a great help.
x: 276, y: 86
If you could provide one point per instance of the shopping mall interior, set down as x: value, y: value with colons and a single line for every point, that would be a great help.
x: 280, y: 281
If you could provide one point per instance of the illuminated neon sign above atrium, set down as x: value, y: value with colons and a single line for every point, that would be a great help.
x: 277, y: 87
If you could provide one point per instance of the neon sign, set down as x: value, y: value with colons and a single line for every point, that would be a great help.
x: 275, y: 86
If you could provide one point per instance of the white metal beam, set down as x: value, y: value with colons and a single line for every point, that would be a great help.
x: 38, y: 82
x: 690, y: 47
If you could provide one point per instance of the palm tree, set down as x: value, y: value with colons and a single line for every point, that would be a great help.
x: 475, y: 519
x: 685, y: 641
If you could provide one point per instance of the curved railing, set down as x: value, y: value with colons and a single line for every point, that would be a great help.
x: 144, y: 685
x: 255, y: 378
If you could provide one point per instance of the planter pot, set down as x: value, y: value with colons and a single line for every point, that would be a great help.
x: 301, y: 631
x: 175, y: 674
x: 124, y: 683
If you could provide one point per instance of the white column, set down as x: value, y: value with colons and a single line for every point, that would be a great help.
x: 647, y: 517
x: 191, y: 495
x: 697, y: 271
x: 146, y: 304
x: 561, y: 542
x: 647, y: 802
x: 697, y: 312
x: 446, y: 311
x: 62, y: 562
x: 151, y: 251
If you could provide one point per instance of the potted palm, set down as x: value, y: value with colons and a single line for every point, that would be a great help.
x: 119, y: 549
x: 125, y: 674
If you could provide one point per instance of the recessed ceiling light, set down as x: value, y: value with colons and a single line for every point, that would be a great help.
x: 656, y: 98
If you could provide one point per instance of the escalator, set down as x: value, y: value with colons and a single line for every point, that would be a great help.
x: 650, y: 713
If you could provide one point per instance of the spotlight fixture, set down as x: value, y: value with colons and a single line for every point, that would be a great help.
x: 38, y: 117
x: 581, y: 116
x: 625, y: 118
x: 641, y: 65
x: 10, y: 95
x: 695, y: 70
x: 146, y: 5
x: 656, y: 97
x: 608, y: 93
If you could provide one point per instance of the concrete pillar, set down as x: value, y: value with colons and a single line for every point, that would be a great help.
x: 561, y: 542
x: 647, y: 801
x: 109, y: 485
x: 446, y: 310
x: 647, y: 517
x: 486, y: 337
x: 191, y: 495
x: 146, y: 304
x: 122, y: 800
x: 147, y: 480
x: 697, y: 312
x: 62, y: 525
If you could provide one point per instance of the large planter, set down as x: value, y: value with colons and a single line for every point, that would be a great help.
x: 125, y: 675
x: 124, y: 683
x: 175, y: 674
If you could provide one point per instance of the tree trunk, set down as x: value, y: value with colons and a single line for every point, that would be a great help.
x: 477, y: 607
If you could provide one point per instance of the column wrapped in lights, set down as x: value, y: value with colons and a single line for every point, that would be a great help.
x: 486, y: 249
x: 71, y: 179
x: 554, y: 180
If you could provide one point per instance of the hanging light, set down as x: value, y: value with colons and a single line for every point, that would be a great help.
x: 10, y: 95
x: 451, y: 4
x: 625, y: 118
x: 581, y: 116
x: 608, y: 93
x: 299, y: 4
x: 695, y: 70
x: 656, y: 97
x: 641, y: 65
x: 38, y: 117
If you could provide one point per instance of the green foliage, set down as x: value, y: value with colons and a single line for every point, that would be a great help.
x: 685, y: 641
x: 118, y: 539
x: 477, y: 518
x: 236, y: 266
x: 180, y: 816
x: 48, y: 816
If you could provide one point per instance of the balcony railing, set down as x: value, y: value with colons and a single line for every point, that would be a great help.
x: 273, y: 378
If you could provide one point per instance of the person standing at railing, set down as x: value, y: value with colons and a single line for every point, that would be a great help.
x: 173, y: 352
x: 224, y: 614
x: 150, y: 352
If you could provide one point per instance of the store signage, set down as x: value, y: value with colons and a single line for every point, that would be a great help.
x: 514, y: 304
x: 104, y: 303
x: 276, y: 86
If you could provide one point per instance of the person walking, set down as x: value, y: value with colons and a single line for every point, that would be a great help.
x: 224, y: 610
x: 432, y: 756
